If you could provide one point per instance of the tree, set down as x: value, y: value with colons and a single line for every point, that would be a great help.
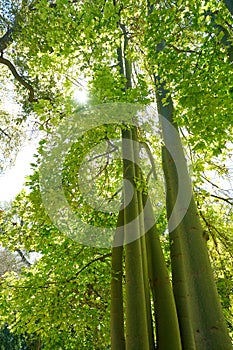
x: 180, y: 53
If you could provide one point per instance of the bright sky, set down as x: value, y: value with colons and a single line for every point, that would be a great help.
x: 11, y: 182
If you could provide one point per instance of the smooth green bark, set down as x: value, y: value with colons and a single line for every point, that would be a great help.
x: 136, y: 312
x: 188, y: 248
x: 117, y: 311
x: 138, y: 175
x: 167, y: 327
x: 179, y: 276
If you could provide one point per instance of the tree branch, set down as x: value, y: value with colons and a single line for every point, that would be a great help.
x: 23, y: 257
x: 100, y: 258
x: 181, y: 50
x: 6, y: 39
x: 3, y: 132
x: 151, y: 158
x: 228, y: 200
x: 20, y: 79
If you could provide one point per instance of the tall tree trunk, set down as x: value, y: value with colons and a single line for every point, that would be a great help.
x: 167, y: 327
x: 137, y: 337
x: 138, y: 176
x: 189, y: 253
x: 179, y: 276
x: 117, y: 311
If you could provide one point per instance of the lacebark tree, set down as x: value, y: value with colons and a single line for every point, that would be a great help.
x: 181, y: 54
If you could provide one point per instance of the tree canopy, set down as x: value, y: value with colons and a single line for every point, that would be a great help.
x: 159, y: 80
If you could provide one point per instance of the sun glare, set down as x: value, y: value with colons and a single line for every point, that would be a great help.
x: 80, y: 96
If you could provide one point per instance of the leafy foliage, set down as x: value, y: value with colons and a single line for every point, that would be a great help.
x: 54, y: 45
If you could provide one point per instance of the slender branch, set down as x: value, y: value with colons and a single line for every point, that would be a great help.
x: 209, y: 226
x: 220, y: 236
x: 107, y: 153
x: 23, y: 257
x: 181, y: 50
x: 115, y: 194
x: 201, y: 52
x: 20, y: 79
x: 76, y: 82
x: 209, y: 181
x: 228, y: 200
x: 3, y: 132
x: 100, y: 258
x: 6, y: 39
x: 151, y: 158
